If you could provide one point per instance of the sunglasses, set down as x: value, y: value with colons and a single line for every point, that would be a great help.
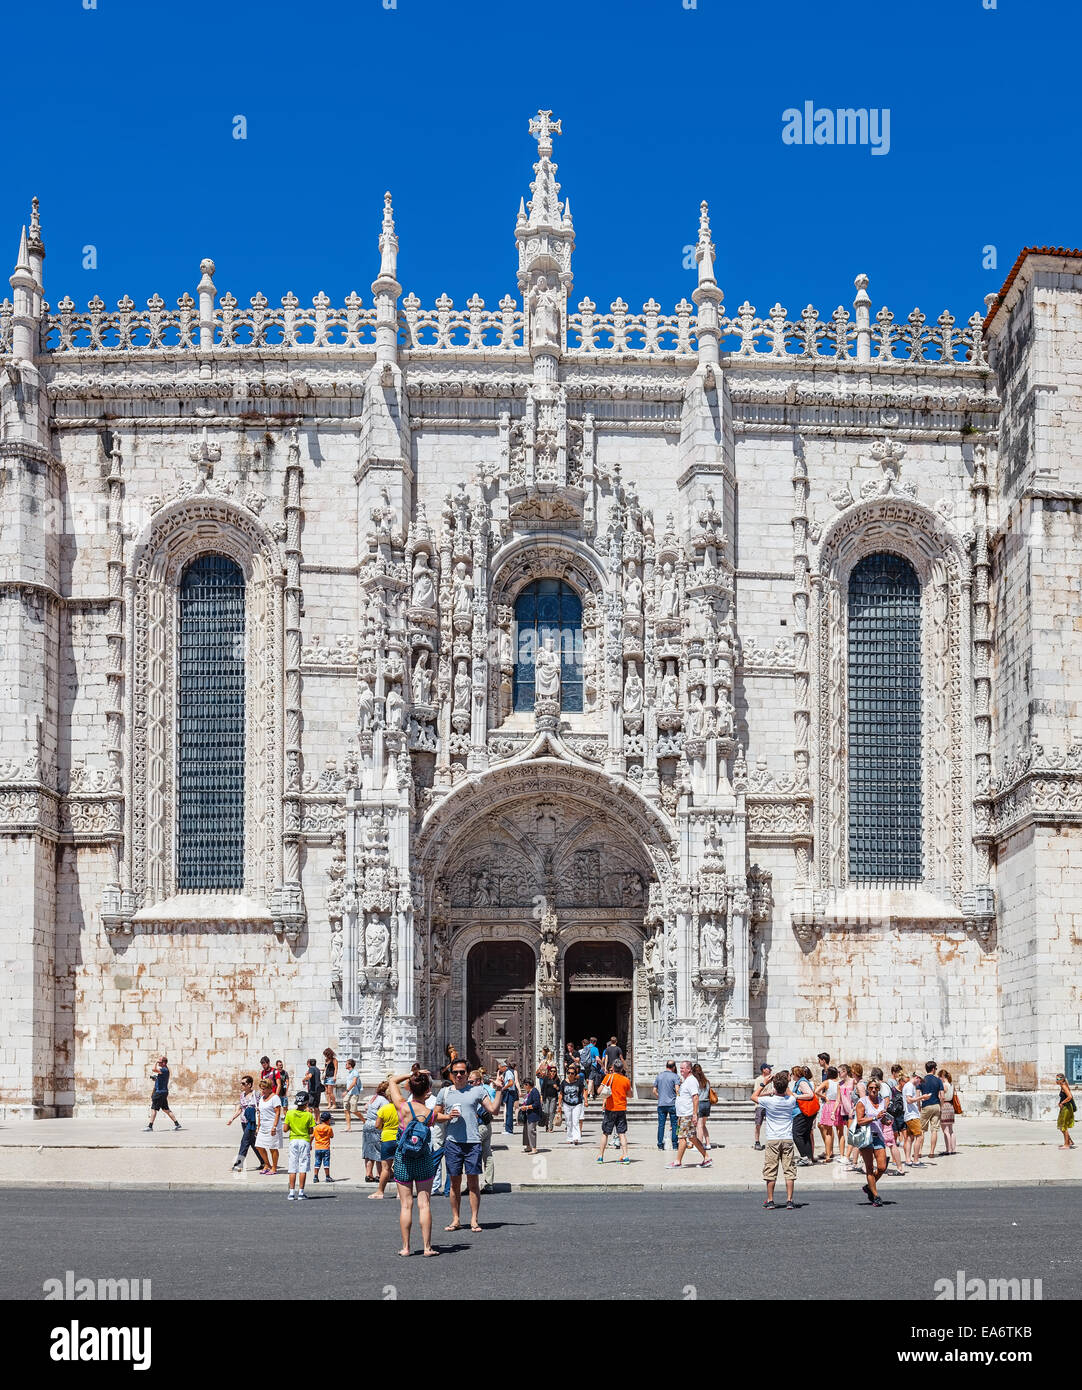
x: 458, y: 1073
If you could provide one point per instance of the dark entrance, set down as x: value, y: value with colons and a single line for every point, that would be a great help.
x: 500, y: 985
x: 597, y: 999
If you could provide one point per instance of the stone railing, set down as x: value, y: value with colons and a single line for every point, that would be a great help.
x: 618, y: 333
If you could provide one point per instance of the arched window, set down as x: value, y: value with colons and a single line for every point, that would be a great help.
x: 210, y: 726
x: 884, y: 721
x: 549, y: 608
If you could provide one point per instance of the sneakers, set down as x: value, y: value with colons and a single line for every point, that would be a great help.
x: 316, y: 1178
x: 149, y: 1129
x: 237, y: 1166
x: 290, y: 1195
x: 803, y: 1163
x: 176, y: 1126
x: 302, y: 1196
x: 601, y: 1158
x: 674, y: 1165
x: 707, y: 1163
x: 790, y: 1206
x: 625, y: 1160
x: 758, y: 1146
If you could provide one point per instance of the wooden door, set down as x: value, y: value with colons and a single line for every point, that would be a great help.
x: 501, y: 981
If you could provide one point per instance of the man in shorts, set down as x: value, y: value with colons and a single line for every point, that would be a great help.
x: 777, y: 1107
x: 930, y: 1089
x: 159, y: 1097
x: 765, y: 1072
x: 615, y: 1116
x: 687, y: 1112
x: 456, y: 1107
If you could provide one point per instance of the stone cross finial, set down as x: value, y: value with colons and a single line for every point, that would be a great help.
x: 544, y: 127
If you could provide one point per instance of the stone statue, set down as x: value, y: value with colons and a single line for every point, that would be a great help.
x: 547, y: 673
x: 422, y: 681
x: 482, y: 893
x: 366, y: 706
x: 377, y: 942
x: 633, y: 690
x: 395, y: 707
x: 668, y: 591
x: 713, y: 946
x: 670, y: 688
x: 549, y: 949
x: 462, y: 688
x: 463, y: 592
x: 696, y: 717
x: 632, y: 588
x: 424, y: 590
x: 544, y: 316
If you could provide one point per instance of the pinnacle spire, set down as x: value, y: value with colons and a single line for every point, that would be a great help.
x: 544, y: 206
x: 36, y: 244
x: 23, y: 261
x: 388, y: 242
x: 704, y: 250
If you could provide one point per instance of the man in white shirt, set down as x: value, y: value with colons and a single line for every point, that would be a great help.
x: 777, y: 1107
x: 687, y: 1111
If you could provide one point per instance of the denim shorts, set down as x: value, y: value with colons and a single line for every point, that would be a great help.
x: 462, y: 1157
x: 322, y: 1158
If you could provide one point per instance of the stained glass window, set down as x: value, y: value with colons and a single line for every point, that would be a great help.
x: 884, y: 721
x: 210, y: 726
x: 548, y: 608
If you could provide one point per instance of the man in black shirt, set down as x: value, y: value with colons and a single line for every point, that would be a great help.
x: 930, y: 1088
x: 613, y: 1054
x: 159, y: 1098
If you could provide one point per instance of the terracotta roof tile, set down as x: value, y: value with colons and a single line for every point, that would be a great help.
x: 1025, y: 251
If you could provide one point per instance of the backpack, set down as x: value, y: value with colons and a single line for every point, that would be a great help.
x: 416, y: 1139
x: 896, y: 1108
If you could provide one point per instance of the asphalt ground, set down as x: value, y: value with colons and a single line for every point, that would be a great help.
x: 217, y: 1245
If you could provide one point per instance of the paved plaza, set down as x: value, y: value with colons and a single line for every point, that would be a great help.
x: 992, y: 1151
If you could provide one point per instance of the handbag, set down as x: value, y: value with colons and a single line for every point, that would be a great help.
x: 956, y: 1101
x: 712, y: 1096
x: 605, y: 1090
x: 860, y: 1136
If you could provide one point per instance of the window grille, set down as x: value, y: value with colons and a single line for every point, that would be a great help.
x: 884, y: 721
x: 548, y: 608
x: 210, y: 727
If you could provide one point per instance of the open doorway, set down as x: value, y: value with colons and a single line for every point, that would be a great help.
x: 597, y: 999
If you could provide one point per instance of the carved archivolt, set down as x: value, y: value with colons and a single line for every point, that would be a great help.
x: 189, y: 528
x: 902, y: 526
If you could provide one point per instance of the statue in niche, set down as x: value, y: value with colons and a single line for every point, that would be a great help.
x: 696, y: 718
x: 713, y: 942
x: 667, y: 604
x: 424, y: 590
x: 482, y: 890
x: 544, y: 315
x: 633, y: 690
x: 366, y: 706
x: 632, y: 588
x: 422, y: 681
x: 670, y: 687
x: 632, y: 889
x: 395, y: 708
x: 549, y: 949
x: 547, y: 673
x: 377, y: 943
x: 463, y: 592
x: 461, y: 702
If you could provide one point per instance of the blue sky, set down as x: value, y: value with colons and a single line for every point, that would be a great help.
x: 121, y: 119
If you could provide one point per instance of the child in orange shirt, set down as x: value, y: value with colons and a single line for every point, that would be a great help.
x: 321, y: 1144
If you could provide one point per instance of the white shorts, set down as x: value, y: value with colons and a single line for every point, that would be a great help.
x: 300, y: 1156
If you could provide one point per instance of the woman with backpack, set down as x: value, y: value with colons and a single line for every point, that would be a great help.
x: 414, y: 1162
x: 895, y: 1110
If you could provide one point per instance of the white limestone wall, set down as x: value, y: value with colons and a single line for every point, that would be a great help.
x: 213, y: 997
